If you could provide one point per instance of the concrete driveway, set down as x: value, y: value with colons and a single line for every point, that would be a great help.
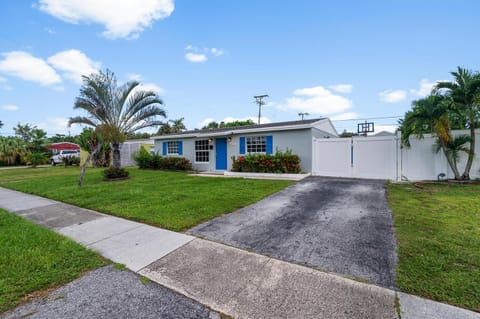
x: 339, y: 225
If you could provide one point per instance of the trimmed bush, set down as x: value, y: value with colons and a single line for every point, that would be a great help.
x: 115, y: 173
x: 37, y: 158
x: 280, y: 162
x: 145, y: 160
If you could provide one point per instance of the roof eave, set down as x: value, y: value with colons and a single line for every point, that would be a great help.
x: 240, y: 131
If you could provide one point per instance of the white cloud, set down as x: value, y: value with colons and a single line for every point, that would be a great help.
x: 27, y: 67
x: 196, y: 54
x: 425, y: 89
x: 216, y: 52
x: 317, y: 101
x: 134, y: 77
x: 196, y: 57
x: 55, y: 125
x: 3, y: 80
x: 206, y: 122
x: 121, y: 18
x: 341, y: 88
x: 392, y: 96
x: 9, y: 107
x: 74, y: 64
x: 386, y: 128
x: 151, y: 87
x: 345, y: 116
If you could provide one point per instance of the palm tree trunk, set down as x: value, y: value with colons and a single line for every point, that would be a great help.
x: 116, y: 155
x: 453, y: 164
x: 471, y: 153
x: 84, y: 166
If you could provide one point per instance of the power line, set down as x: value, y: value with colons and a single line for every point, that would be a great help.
x: 370, y: 118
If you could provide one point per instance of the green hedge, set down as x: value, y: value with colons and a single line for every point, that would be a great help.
x: 280, y: 162
x: 145, y: 160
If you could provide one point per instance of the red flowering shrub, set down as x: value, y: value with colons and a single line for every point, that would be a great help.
x: 280, y: 162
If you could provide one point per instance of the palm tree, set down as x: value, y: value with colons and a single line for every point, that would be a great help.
x: 177, y: 125
x: 432, y: 115
x: 164, y: 129
x: 452, y: 151
x: 12, y: 149
x: 115, y: 110
x: 465, y: 94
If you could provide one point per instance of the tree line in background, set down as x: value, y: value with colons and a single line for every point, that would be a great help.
x: 29, y: 146
x: 452, y: 105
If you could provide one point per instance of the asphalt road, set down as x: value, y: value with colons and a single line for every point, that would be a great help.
x: 111, y: 293
x: 338, y: 225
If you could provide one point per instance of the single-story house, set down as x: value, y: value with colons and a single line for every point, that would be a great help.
x: 213, y: 149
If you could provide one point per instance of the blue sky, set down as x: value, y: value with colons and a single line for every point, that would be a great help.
x: 208, y: 58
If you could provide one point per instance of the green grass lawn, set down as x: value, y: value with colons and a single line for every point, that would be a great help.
x: 172, y: 200
x: 438, y: 234
x: 33, y: 258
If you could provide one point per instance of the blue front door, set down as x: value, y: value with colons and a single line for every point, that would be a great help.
x: 221, y: 154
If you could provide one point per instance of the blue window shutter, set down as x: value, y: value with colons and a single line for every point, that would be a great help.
x: 242, y: 144
x: 269, y: 144
x: 164, y: 148
x: 180, y: 147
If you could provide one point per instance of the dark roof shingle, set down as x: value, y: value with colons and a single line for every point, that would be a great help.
x: 234, y: 128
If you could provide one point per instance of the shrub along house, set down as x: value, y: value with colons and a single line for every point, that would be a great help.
x: 213, y: 149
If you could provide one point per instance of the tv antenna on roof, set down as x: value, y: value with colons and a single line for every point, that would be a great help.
x: 260, y: 102
x: 303, y: 114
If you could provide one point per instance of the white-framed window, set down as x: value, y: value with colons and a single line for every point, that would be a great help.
x: 256, y: 144
x: 202, y: 153
x: 172, y: 148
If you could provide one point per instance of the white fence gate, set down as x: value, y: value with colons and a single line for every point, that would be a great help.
x: 381, y: 157
x: 359, y: 157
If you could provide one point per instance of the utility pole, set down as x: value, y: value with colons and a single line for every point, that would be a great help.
x: 302, y: 114
x: 260, y: 102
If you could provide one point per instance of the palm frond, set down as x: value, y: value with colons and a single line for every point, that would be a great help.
x: 82, y: 120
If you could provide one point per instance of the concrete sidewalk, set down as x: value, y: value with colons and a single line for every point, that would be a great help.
x: 230, y: 280
x: 126, y: 242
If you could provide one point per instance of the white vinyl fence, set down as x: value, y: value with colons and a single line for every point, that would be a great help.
x: 382, y: 157
x: 128, y: 150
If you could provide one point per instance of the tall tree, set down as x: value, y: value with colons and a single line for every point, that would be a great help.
x: 222, y: 124
x: 115, y: 110
x: 33, y: 137
x: 177, y: 125
x: 12, y: 149
x: 57, y: 138
x: 433, y: 115
x: 164, y: 129
x: 237, y: 123
x: 464, y: 91
x: 89, y: 141
x: 210, y: 125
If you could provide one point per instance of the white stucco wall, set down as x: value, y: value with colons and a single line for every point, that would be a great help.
x: 298, y: 141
